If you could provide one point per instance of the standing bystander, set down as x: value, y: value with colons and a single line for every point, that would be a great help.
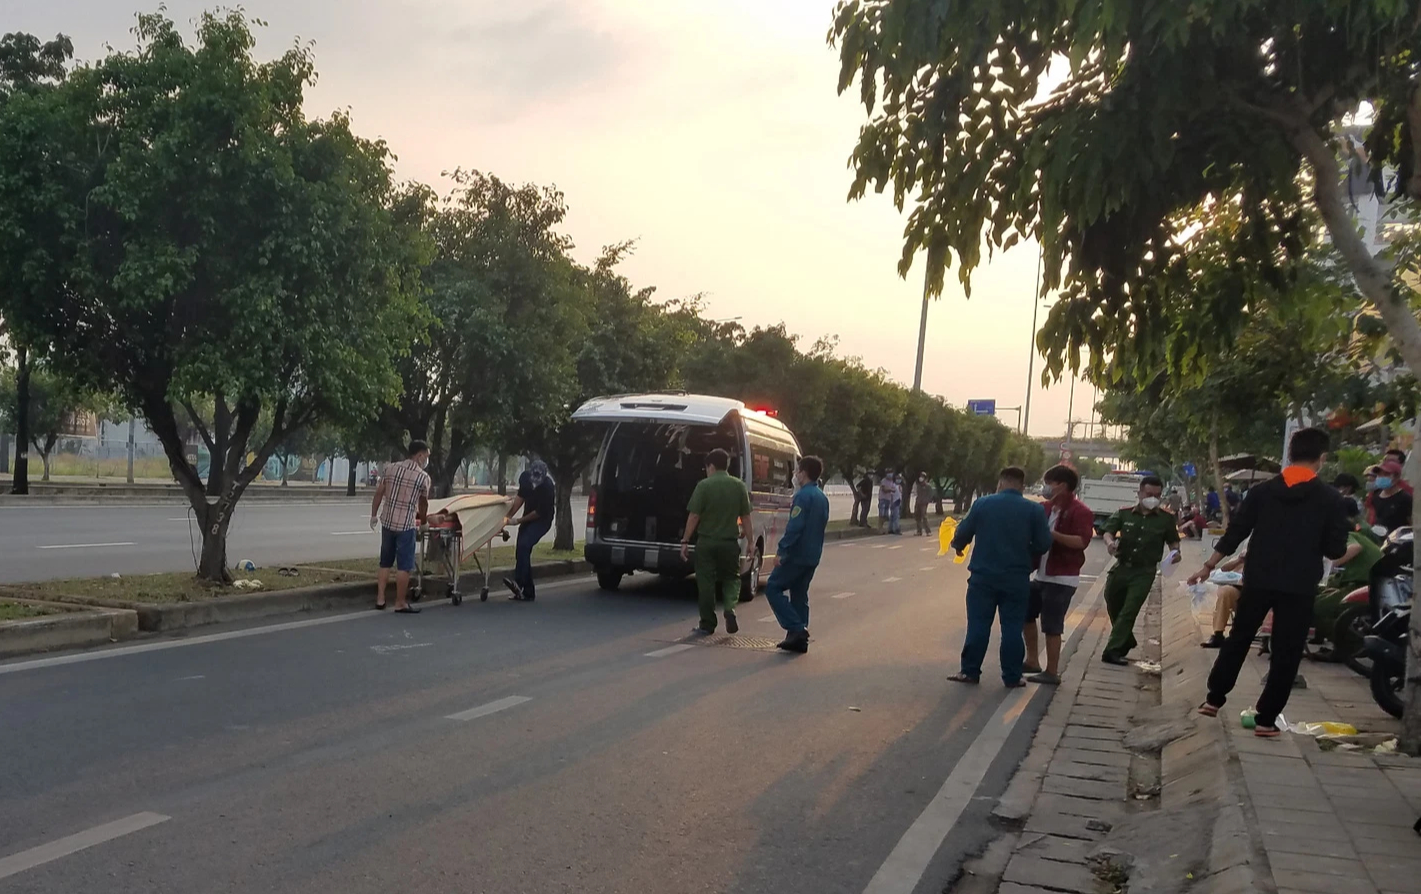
x: 401, y: 500
x: 1011, y: 533
x: 1294, y: 522
x: 1059, y: 574
x: 537, y: 496
x: 922, y: 496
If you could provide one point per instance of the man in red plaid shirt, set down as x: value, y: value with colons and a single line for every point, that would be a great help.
x: 401, y: 500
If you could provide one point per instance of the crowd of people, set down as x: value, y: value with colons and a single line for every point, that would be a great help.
x: 893, y: 491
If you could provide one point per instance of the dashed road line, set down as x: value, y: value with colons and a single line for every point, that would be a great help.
x: 669, y: 650
x: 841, y: 596
x: 502, y: 704
x: 72, y: 844
x: 86, y: 545
x: 890, y: 580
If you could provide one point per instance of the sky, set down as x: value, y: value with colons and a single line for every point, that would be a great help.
x: 711, y: 133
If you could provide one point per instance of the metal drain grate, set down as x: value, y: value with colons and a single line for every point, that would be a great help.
x: 732, y: 641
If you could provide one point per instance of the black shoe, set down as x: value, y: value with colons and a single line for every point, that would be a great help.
x: 795, y: 642
x: 513, y: 588
x: 1214, y: 642
x: 731, y: 625
x: 698, y: 630
x: 1111, y: 658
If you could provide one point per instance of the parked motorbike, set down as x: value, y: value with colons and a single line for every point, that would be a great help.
x: 1389, y: 587
x: 1386, y: 647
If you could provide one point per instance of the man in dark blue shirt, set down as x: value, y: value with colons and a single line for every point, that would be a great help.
x: 1011, y: 534
x: 798, y: 556
x: 537, y: 496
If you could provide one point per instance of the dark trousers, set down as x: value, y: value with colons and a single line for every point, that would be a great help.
x: 717, y: 564
x: 921, y: 517
x: 1292, y: 616
x: 1005, y: 600
x: 1126, y: 591
x: 791, y: 611
x: 528, y: 537
x: 862, y: 510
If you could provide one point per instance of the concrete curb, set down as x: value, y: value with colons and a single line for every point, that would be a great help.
x: 1199, y: 770
x: 163, y: 617
x: 72, y: 628
x: 1017, y: 801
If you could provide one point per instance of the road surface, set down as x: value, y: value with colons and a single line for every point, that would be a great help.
x: 47, y: 542
x: 570, y: 745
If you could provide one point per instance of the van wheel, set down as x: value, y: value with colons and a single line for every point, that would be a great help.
x: 750, y: 581
x: 609, y: 579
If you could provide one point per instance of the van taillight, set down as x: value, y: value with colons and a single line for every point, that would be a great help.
x: 592, y: 508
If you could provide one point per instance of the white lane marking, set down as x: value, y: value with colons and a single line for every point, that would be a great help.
x: 895, y: 547
x: 879, y: 546
x: 669, y: 650
x: 184, y: 518
x: 905, y: 866
x: 491, y: 708
x: 82, y: 657
x: 928, y: 568
x: 841, y: 596
x: 193, y: 677
x: 85, y: 545
x: 767, y: 619
x: 351, y: 533
x: 380, y: 650
x: 889, y: 580
x: 63, y: 847
x: 928, y: 549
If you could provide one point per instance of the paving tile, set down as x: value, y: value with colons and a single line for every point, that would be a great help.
x: 1092, y: 756
x: 1394, y: 879
x: 1315, y: 863
x: 1364, y: 831
x: 1029, y: 870
x: 1371, y: 847
x: 1093, y: 772
x: 1395, y: 812
x: 1283, y: 797
x: 1013, y: 888
x: 1064, y: 804
x: 1278, y: 776
x: 1063, y: 825
x: 1083, y: 788
x: 1308, y: 844
x: 1092, y: 732
x: 1110, y: 746
x: 1325, y: 884
x: 1054, y: 847
x: 1314, y: 824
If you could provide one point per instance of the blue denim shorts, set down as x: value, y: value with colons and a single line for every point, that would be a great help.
x: 397, y: 549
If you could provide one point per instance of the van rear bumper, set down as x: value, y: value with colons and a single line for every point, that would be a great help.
x: 662, y: 558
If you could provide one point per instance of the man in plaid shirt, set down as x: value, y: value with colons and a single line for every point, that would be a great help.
x: 401, y: 500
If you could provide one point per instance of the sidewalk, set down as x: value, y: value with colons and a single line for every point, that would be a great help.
x: 1127, y: 788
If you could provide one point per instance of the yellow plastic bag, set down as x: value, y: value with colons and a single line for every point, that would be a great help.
x: 1325, y: 728
x: 945, y: 532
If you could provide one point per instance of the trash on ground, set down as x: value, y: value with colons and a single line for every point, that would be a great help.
x: 1356, y: 742
x: 1149, y: 667
x: 245, y: 584
x: 1324, y: 728
x: 852, y: 708
x: 1387, y: 747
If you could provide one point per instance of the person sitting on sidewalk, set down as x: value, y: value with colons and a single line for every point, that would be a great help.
x: 1295, y: 521
x: 1057, y: 577
x: 1137, y: 538
x: 1194, y: 524
x: 1225, y: 604
x: 1011, y: 535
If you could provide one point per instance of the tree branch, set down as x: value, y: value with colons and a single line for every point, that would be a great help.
x: 200, y: 425
x: 1413, y: 123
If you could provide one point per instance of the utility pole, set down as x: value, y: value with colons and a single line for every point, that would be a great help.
x: 1071, y: 411
x: 131, y: 424
x: 1031, y: 354
x: 922, y: 330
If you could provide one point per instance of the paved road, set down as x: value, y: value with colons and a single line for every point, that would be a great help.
x: 47, y: 542
x: 564, y: 746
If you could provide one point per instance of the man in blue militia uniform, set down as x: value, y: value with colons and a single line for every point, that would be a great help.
x: 1012, y: 535
x: 797, y: 556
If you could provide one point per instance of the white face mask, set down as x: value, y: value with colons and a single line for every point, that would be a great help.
x: 1150, y: 503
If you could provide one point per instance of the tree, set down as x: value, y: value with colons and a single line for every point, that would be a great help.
x: 1166, y: 109
x: 54, y: 402
x: 39, y: 199
x: 231, y: 251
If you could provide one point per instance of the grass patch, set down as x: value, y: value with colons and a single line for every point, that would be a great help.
x: 181, y: 586
x: 503, y: 557
x: 18, y: 611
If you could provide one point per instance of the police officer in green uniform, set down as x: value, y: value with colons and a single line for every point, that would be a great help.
x: 720, y: 511
x: 1136, y: 537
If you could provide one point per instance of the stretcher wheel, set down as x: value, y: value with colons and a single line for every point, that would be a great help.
x: 483, y: 595
x: 456, y: 598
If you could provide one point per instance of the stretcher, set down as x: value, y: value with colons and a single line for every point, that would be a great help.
x: 453, y: 533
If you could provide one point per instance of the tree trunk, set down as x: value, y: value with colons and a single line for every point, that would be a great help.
x: 350, y: 477
x: 1218, y: 472
x: 285, y: 462
x: 213, y: 564
x: 44, y: 458
x: 132, y: 446
x: 20, y: 483
x: 563, y: 520
x: 502, y: 474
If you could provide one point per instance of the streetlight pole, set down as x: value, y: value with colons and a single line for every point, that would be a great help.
x: 1031, y: 354
x: 922, y: 330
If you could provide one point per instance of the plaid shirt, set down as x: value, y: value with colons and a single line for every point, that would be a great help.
x: 405, y: 484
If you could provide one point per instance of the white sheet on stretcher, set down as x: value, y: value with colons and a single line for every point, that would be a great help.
x: 480, y: 517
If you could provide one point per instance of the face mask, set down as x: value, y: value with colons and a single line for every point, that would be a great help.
x: 1383, y: 483
x: 1150, y: 503
x: 424, y: 463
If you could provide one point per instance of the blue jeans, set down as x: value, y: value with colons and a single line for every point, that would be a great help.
x: 397, y: 549
x: 1006, y: 600
x: 895, y: 512
x: 528, y: 537
x: 793, y: 611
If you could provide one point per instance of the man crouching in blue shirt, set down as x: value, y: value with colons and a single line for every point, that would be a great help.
x: 1011, y: 534
x: 797, y: 556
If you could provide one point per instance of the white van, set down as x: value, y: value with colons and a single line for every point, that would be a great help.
x: 652, y: 456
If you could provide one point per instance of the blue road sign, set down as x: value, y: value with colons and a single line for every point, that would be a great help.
x: 1189, y: 471
x: 982, y: 407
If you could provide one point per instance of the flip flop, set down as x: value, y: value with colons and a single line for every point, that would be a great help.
x: 1019, y: 684
x: 1267, y: 732
x: 407, y: 610
x: 1208, y: 710
x: 379, y: 606
x: 963, y: 678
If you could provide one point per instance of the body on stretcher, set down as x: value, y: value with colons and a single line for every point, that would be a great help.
x: 452, y: 533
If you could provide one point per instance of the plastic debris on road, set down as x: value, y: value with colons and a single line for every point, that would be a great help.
x: 1198, y: 594
x: 244, y: 584
x: 1149, y: 667
x: 1324, y: 728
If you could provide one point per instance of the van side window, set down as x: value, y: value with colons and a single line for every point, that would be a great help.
x: 772, y: 466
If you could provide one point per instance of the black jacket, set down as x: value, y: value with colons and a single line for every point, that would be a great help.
x: 1293, y: 529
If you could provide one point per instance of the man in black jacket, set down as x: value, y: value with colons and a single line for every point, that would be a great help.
x: 1295, y: 520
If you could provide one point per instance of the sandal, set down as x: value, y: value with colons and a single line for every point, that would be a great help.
x: 1208, y: 710
x: 407, y: 610
x: 1019, y: 684
x: 379, y: 606
x: 963, y: 678
x: 1266, y: 732
x: 1031, y: 669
